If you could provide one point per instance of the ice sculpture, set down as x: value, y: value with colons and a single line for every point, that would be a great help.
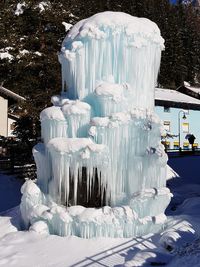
x: 101, y: 137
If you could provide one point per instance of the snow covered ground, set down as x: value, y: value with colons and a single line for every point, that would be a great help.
x: 177, y: 245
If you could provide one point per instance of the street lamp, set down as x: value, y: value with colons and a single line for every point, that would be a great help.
x: 179, y: 126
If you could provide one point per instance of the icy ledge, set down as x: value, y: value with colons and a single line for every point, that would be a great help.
x: 42, y: 214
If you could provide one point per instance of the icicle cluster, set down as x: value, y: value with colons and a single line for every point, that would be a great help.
x: 133, y: 167
x: 103, y: 126
x: 69, y: 156
x: 116, y: 47
x: 144, y: 214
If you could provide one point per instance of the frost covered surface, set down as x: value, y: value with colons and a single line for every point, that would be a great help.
x: 114, y: 37
x: 101, y: 136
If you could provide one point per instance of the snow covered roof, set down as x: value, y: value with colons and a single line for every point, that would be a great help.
x: 189, y: 90
x: 8, y: 93
x: 194, y: 89
x: 176, y: 99
x: 13, y: 117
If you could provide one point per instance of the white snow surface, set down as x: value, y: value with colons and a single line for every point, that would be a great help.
x: 71, y: 145
x: 115, y: 91
x: 195, y: 89
x: 175, y: 96
x: 53, y: 113
x: 75, y: 107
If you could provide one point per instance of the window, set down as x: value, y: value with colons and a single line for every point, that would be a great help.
x: 12, y: 126
x: 176, y: 144
x: 186, y: 111
x: 166, y: 144
x: 166, y: 109
x: 167, y: 126
x: 185, y: 127
x: 185, y: 145
x: 195, y: 145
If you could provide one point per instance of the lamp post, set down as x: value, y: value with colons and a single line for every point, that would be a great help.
x: 179, y: 126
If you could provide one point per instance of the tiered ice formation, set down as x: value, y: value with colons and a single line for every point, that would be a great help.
x: 102, y: 133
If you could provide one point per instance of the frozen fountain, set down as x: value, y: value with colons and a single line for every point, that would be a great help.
x: 101, y: 137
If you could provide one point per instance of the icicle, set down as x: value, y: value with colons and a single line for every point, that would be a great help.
x: 68, y: 153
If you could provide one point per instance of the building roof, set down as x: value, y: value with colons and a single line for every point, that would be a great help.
x: 189, y: 90
x: 194, y: 89
x: 174, y: 98
x: 13, y: 117
x: 10, y: 94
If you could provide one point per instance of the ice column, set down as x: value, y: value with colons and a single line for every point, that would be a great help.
x: 101, y: 138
